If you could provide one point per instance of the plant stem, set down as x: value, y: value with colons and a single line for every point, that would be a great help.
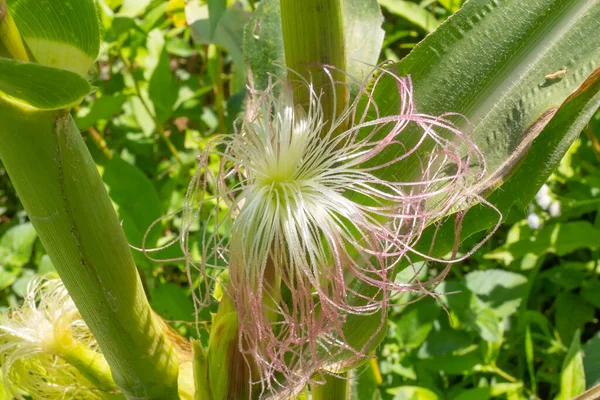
x: 10, y: 36
x: 335, y: 388
x: 100, y: 142
x: 313, y: 36
x: 92, y: 366
x: 215, y: 58
x: 65, y: 199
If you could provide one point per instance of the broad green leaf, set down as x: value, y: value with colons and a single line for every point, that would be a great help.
x: 363, y: 34
x: 102, y: 109
x: 20, y: 285
x: 45, y: 266
x: 591, y: 361
x: 263, y: 39
x: 136, y: 200
x: 519, y: 190
x: 415, y: 323
x: 559, y: 238
x: 569, y: 275
x: 60, y: 33
x: 462, y: 364
x: 444, y: 340
x: 133, y: 8
x: 172, y: 302
x: 40, y: 86
x: 412, y: 393
x: 500, y: 86
x: 481, y: 393
x: 572, y: 377
x: 487, y: 392
x: 163, y: 89
x: 500, y: 290
x: 216, y: 9
x: 572, y: 313
x: 591, y: 291
x: 228, y: 32
x: 413, y: 13
x: 16, y: 245
x: 467, y: 310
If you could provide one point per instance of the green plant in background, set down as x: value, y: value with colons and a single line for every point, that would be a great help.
x: 524, y: 75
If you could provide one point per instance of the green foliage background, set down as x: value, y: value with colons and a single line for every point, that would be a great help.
x: 518, y: 320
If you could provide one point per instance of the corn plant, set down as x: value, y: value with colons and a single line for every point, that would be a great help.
x: 341, y: 173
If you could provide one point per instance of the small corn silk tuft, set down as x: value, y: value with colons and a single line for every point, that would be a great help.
x: 300, y: 212
x: 30, y: 338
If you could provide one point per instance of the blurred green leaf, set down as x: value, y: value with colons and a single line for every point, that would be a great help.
x: 412, y: 12
x: 364, y: 36
x: 20, y: 285
x: 412, y: 393
x: 591, y: 361
x: 591, y: 291
x: 451, y: 5
x: 572, y: 313
x: 569, y: 275
x: 500, y: 290
x: 228, y: 33
x: 133, y: 8
x: 560, y: 238
x: 488, y: 392
x: 45, y: 266
x: 136, y: 200
x: 216, y: 9
x: 415, y: 323
x: 16, y: 245
x: 572, y: 377
x: 163, y: 89
x: 103, y: 108
x: 172, y: 302
x: 461, y: 364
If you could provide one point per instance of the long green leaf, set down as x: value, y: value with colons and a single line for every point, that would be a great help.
x: 572, y: 377
x: 41, y: 87
x: 60, y: 33
x: 489, y: 62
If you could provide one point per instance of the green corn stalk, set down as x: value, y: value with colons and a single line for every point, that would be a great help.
x: 63, y: 193
x: 313, y: 36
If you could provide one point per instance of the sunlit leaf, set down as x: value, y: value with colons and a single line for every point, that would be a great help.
x: 60, y: 33
x: 572, y: 377
x: 40, y: 86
